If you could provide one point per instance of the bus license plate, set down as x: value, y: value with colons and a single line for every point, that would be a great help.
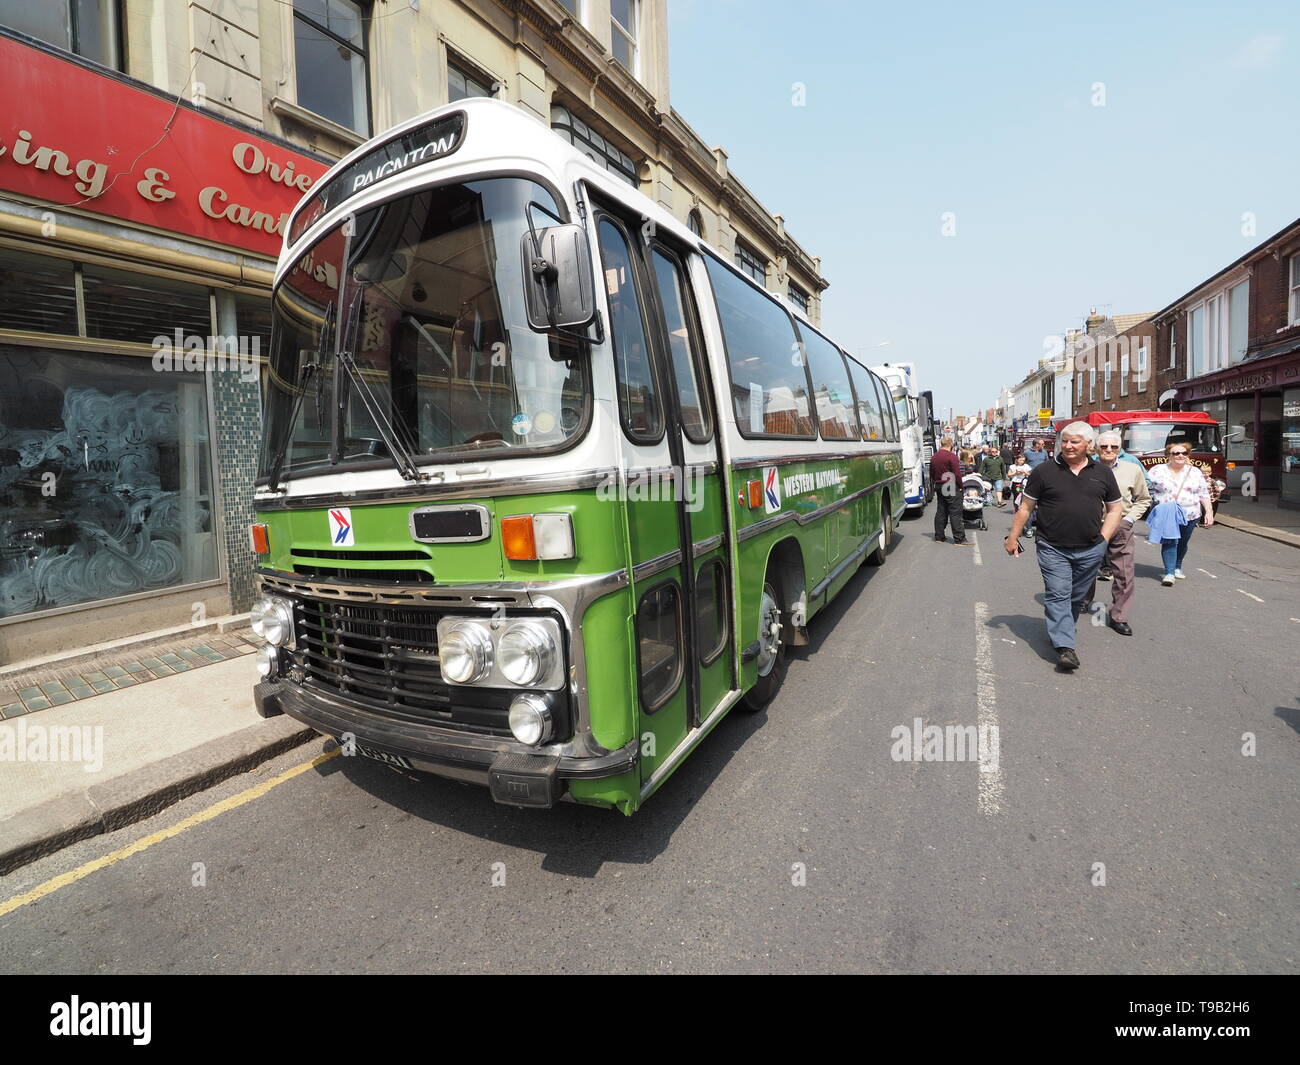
x: 384, y: 756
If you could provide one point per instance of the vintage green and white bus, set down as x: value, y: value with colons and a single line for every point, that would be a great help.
x: 547, y: 486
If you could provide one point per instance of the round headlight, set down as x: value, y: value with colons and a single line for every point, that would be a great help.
x: 525, y: 654
x: 277, y: 623
x: 530, y: 720
x: 267, y: 658
x: 465, y: 653
x: 257, y: 617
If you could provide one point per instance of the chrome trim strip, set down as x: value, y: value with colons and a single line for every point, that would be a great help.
x: 687, y: 745
x: 532, y: 485
x: 820, y: 456
x: 658, y: 564
x: 767, y: 524
x: 701, y: 547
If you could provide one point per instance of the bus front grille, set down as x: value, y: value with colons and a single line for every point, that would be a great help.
x: 385, y: 659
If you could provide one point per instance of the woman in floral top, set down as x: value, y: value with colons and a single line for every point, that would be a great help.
x: 1178, y: 481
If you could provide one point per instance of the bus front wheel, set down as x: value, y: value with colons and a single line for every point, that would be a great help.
x: 772, y: 661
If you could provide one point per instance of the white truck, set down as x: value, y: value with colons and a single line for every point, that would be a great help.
x: 915, y: 430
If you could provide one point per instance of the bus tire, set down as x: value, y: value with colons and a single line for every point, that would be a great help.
x: 878, y: 556
x: 774, y: 661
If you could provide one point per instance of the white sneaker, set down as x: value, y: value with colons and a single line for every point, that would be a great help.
x: 1167, y: 580
x: 1180, y: 575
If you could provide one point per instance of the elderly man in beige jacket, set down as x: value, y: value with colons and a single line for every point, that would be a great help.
x: 1135, y: 497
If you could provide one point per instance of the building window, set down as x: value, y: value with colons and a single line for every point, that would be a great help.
x: 1195, y: 341
x: 331, y: 61
x: 1123, y: 374
x: 1142, y: 369
x: 1238, y: 321
x: 1078, y: 391
x: 1295, y: 290
x: 88, y: 28
x: 1105, y: 386
x: 1173, y: 345
x: 696, y: 223
x: 798, y: 297
x: 624, y: 26
x: 1092, y: 385
x: 461, y: 84
x: 593, y: 145
x: 749, y: 262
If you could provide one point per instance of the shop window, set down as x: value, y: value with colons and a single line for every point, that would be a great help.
x: 769, y: 383
x: 711, y: 610
x: 798, y: 297
x: 253, y: 322
x: 105, y: 489
x: 659, y: 639
x: 89, y: 28
x: 40, y: 293
x: 125, y: 306
x: 329, y: 39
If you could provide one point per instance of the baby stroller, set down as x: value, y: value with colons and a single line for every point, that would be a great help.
x: 974, y: 498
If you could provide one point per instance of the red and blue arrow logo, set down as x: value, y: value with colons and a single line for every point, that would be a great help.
x: 341, y: 526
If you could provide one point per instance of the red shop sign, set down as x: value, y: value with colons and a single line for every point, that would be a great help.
x: 76, y: 138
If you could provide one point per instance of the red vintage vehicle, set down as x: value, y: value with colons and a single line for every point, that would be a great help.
x: 1145, y: 434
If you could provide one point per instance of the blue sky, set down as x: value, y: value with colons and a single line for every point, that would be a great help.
x: 986, y: 111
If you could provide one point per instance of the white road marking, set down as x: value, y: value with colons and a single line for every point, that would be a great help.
x: 976, y: 541
x: 1207, y: 573
x: 1249, y: 596
x: 990, y: 773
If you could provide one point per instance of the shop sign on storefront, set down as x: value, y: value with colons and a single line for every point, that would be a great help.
x: 74, y: 137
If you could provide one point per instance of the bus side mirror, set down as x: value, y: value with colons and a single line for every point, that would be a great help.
x: 1235, y: 435
x: 557, y: 278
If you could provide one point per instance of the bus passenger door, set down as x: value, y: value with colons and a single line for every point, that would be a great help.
x: 662, y: 622
x: 702, y: 515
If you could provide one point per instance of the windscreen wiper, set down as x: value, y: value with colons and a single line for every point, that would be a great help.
x: 396, y: 438
x: 305, y: 373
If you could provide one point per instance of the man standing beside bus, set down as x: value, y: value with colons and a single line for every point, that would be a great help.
x: 1078, y: 505
x: 945, y: 475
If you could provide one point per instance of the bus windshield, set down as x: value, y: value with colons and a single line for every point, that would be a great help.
x: 431, y: 308
x: 903, y: 410
x: 1144, y: 438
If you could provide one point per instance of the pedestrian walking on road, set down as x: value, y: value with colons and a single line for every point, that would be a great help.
x: 945, y: 475
x: 1135, y: 498
x: 1176, y: 480
x: 1036, y: 456
x: 1018, y: 473
x: 993, y: 470
x: 1078, y: 505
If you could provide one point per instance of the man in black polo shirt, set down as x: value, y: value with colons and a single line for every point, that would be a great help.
x: 1079, y: 509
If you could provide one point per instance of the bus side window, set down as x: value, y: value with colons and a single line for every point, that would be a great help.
x: 684, y: 347
x: 886, y: 409
x: 873, y: 425
x: 832, y: 395
x: 638, y: 398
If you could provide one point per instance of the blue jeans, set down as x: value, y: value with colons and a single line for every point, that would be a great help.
x: 1174, y: 551
x: 1068, y: 573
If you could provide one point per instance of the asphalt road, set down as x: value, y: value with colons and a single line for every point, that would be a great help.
x: 792, y: 840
